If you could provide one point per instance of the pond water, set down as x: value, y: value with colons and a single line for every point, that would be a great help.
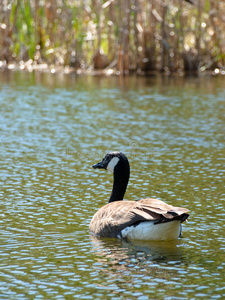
x: 54, y: 127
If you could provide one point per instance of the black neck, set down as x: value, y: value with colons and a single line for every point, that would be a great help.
x: 121, y: 178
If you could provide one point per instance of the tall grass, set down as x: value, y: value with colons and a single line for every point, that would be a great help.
x: 126, y: 35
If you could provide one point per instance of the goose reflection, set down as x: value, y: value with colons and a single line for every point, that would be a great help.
x: 121, y: 251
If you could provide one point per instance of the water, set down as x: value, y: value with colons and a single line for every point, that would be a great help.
x: 53, y: 129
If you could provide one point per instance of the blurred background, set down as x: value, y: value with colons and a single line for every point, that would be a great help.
x: 126, y: 36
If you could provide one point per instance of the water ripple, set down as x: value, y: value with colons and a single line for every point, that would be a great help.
x: 50, y: 138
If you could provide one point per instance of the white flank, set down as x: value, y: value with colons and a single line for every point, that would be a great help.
x: 113, y: 162
x: 148, y: 231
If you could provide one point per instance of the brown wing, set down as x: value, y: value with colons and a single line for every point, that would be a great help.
x: 115, y: 216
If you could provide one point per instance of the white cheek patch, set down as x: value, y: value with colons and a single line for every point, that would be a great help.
x: 112, y: 164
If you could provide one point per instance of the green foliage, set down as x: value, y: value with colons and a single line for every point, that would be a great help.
x: 207, y: 5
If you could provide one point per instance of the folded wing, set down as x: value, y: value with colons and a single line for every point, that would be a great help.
x: 115, y: 216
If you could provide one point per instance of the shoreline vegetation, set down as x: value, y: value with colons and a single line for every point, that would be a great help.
x: 113, y: 36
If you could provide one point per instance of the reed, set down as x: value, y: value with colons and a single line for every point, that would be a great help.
x: 126, y: 35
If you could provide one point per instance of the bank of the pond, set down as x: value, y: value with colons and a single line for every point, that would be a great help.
x: 29, y: 66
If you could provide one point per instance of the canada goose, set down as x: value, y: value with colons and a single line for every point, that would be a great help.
x: 145, y: 219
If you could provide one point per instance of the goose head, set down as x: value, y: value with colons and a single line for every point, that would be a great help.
x: 111, y: 160
x: 118, y: 164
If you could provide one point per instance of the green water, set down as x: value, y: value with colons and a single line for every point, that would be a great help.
x: 53, y: 129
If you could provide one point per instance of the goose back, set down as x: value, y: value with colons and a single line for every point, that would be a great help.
x: 112, y: 218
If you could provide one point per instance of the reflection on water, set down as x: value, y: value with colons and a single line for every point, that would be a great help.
x: 121, y: 251
x: 53, y: 129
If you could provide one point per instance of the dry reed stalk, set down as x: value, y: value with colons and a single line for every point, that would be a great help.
x: 198, y: 27
x: 6, y: 34
x: 164, y: 44
x: 180, y: 36
x: 126, y: 39
x: 136, y: 34
x: 120, y: 39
